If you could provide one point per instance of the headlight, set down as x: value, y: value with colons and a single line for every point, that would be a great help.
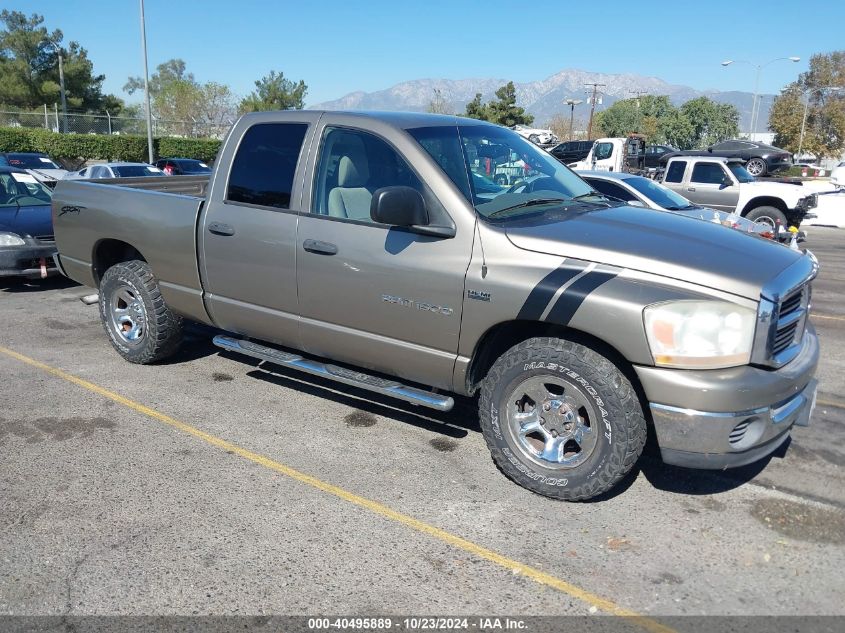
x: 10, y: 239
x: 699, y: 334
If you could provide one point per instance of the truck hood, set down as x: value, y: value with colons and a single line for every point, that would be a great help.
x: 33, y: 220
x: 666, y: 244
x: 784, y: 190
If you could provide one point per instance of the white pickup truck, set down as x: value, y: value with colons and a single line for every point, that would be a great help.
x: 724, y: 184
x: 710, y: 181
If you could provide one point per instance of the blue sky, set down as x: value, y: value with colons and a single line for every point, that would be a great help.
x: 338, y: 47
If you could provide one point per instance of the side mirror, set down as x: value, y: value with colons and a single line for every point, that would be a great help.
x: 726, y: 182
x: 405, y: 207
x: 399, y: 206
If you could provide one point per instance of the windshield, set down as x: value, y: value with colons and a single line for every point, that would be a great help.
x: 22, y: 190
x: 657, y: 193
x: 739, y: 172
x: 500, y: 173
x: 135, y: 171
x: 30, y: 161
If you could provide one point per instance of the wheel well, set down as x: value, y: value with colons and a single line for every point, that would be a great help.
x: 500, y: 338
x: 107, y: 253
x: 764, y: 201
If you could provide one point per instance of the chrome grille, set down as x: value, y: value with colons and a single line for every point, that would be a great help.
x: 782, y: 314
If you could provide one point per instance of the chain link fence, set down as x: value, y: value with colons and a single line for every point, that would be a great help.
x: 52, y: 118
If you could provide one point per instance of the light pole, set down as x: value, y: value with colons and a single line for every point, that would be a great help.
x: 807, y: 94
x: 61, y: 85
x: 147, y: 85
x: 755, y: 109
x: 572, y: 103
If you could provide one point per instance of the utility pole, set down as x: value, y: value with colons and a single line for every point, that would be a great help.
x: 147, y: 85
x: 592, y: 108
x: 61, y: 86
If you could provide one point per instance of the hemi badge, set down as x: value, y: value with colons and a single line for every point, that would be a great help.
x: 478, y: 295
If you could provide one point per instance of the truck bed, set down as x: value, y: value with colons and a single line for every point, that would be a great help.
x: 156, y: 216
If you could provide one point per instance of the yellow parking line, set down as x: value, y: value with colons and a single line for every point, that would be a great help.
x: 513, y: 566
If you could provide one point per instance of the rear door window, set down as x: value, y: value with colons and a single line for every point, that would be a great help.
x: 611, y: 189
x: 265, y: 164
x: 676, y: 170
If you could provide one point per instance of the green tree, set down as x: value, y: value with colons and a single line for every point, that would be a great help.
x: 504, y: 111
x: 647, y: 115
x: 275, y: 92
x: 822, y: 87
x: 711, y: 122
x: 476, y: 109
x: 186, y: 106
x: 29, y: 67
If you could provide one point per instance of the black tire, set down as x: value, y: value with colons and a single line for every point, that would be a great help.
x: 619, y: 425
x: 768, y: 215
x: 131, y: 305
x: 756, y: 167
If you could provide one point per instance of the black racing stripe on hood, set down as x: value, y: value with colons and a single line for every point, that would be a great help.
x: 568, y: 303
x: 543, y: 292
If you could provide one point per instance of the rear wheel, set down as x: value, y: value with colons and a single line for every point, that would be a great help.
x: 756, y: 167
x: 560, y: 419
x: 140, y: 325
x: 770, y: 216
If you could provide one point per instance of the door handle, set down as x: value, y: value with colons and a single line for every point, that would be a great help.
x: 690, y: 188
x: 320, y: 248
x: 218, y: 228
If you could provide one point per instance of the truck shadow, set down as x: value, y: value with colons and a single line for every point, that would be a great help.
x: 454, y: 424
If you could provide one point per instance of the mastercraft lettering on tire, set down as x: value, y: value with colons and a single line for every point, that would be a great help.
x: 577, y: 321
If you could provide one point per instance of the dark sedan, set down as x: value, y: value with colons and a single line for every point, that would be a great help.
x: 759, y: 159
x: 571, y: 151
x: 653, y: 154
x: 27, y: 246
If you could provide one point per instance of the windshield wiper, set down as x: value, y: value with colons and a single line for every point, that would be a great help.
x: 527, y: 203
x: 590, y: 194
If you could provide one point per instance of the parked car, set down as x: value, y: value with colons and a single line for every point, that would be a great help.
x: 645, y: 192
x: 182, y: 166
x: 27, y: 247
x: 759, y: 159
x: 115, y: 170
x: 724, y: 184
x: 536, y: 135
x: 653, y: 154
x: 576, y: 321
x: 571, y: 151
x: 837, y: 176
x: 44, y: 168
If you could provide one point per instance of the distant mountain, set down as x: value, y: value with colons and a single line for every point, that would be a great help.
x: 543, y: 99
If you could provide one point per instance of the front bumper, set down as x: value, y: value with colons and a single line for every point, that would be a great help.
x: 730, y: 417
x: 26, y: 260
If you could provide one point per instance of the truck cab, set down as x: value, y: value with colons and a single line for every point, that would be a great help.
x: 615, y: 154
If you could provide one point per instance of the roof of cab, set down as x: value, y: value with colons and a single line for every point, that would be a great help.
x: 405, y: 120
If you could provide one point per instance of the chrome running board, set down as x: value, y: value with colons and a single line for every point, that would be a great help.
x: 358, y: 379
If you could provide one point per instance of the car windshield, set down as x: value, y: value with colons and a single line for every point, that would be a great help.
x: 135, y: 171
x: 739, y: 173
x: 30, y: 161
x: 500, y: 173
x: 20, y: 189
x: 657, y: 193
x: 194, y: 167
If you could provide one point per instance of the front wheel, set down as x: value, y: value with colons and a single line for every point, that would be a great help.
x: 140, y: 325
x: 770, y: 216
x: 560, y: 419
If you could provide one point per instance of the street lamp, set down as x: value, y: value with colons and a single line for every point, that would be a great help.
x: 755, y: 110
x: 147, y: 85
x: 572, y: 103
x: 61, y: 84
x: 807, y: 94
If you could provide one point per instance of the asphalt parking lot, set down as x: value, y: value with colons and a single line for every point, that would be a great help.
x: 210, y: 485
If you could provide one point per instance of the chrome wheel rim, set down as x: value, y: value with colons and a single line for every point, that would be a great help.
x: 128, y: 315
x: 552, y: 422
x: 754, y: 167
x: 768, y: 221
